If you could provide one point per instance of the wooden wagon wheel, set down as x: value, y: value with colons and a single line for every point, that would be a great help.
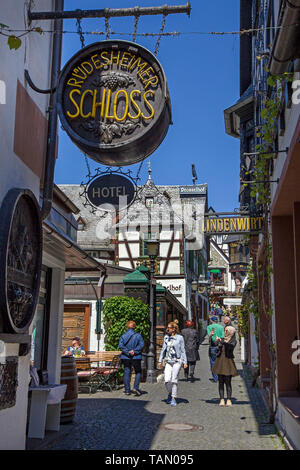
x: 20, y: 259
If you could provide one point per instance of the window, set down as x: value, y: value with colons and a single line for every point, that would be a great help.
x: 217, y: 276
x: 149, y: 201
x: 145, y: 237
x: 81, y: 224
x: 219, y: 239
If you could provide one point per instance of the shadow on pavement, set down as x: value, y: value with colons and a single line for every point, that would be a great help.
x: 257, y: 403
x: 110, y: 423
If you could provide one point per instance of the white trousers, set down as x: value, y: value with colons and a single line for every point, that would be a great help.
x: 171, y: 377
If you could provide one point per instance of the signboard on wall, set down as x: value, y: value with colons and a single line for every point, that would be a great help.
x: 177, y: 287
x: 113, y: 102
x: 195, y: 190
x: 232, y: 225
x: 111, y: 190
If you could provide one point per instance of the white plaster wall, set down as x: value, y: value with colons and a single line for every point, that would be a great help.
x: 125, y: 264
x: 123, y: 251
x: 162, y: 265
x: 166, y: 235
x: 13, y: 420
x: 163, y: 249
x: 33, y: 54
x: 93, y: 341
x: 175, y: 249
x: 173, y: 267
x: 291, y: 120
x: 55, y: 326
x: 135, y: 250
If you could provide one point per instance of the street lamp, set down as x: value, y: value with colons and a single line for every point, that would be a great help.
x: 194, y: 286
x: 153, y: 250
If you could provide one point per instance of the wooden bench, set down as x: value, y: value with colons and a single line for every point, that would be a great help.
x: 103, y: 356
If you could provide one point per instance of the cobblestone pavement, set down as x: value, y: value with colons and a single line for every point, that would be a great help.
x: 113, y: 421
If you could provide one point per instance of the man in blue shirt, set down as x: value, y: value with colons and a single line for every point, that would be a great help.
x: 131, y: 343
x: 219, y: 312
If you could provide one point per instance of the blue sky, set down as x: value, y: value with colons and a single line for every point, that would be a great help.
x: 203, y: 78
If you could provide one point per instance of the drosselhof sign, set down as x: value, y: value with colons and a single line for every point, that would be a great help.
x: 227, y: 225
x: 113, y: 102
x: 111, y: 191
x: 197, y: 190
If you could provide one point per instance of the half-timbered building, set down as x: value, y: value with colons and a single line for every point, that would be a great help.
x: 157, y: 212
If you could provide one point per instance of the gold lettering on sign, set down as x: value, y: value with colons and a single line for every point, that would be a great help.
x: 232, y: 224
x: 124, y: 60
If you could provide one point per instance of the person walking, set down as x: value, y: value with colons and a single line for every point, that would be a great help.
x: 131, y: 343
x: 173, y: 353
x: 191, y: 343
x: 219, y: 312
x: 227, y: 321
x: 214, y: 330
x: 224, y: 366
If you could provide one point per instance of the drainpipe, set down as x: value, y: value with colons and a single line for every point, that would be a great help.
x: 52, y: 119
x: 287, y: 37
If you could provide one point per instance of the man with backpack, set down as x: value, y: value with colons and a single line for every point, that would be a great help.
x: 131, y: 343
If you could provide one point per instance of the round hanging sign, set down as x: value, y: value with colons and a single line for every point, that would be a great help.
x: 111, y: 191
x: 20, y: 259
x: 113, y: 102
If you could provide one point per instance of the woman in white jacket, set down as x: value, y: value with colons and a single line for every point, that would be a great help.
x: 173, y: 352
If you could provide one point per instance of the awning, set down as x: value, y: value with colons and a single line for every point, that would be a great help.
x: 76, y: 259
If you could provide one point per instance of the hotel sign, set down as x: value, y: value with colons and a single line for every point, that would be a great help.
x: 113, y: 102
x: 111, y: 191
x: 232, y: 225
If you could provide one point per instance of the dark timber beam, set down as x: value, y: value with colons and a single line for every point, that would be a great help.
x: 110, y: 13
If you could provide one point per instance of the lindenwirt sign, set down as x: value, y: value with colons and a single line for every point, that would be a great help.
x: 233, y: 225
x: 113, y: 102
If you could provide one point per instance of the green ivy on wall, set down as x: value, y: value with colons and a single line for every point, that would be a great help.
x: 117, y: 312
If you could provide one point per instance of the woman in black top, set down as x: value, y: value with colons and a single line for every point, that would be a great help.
x: 224, y: 366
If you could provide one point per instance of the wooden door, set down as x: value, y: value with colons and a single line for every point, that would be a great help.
x: 76, y: 322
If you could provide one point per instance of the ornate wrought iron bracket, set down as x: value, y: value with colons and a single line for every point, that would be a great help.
x: 100, y: 172
x: 35, y: 88
x: 110, y: 12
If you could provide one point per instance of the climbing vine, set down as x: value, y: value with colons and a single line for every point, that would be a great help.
x: 260, y: 305
x: 117, y: 312
x: 13, y: 41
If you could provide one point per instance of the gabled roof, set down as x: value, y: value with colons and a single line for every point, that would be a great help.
x: 219, y: 250
x: 136, y: 277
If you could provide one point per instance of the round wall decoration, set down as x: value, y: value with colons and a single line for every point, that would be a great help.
x: 113, y: 102
x: 20, y: 259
